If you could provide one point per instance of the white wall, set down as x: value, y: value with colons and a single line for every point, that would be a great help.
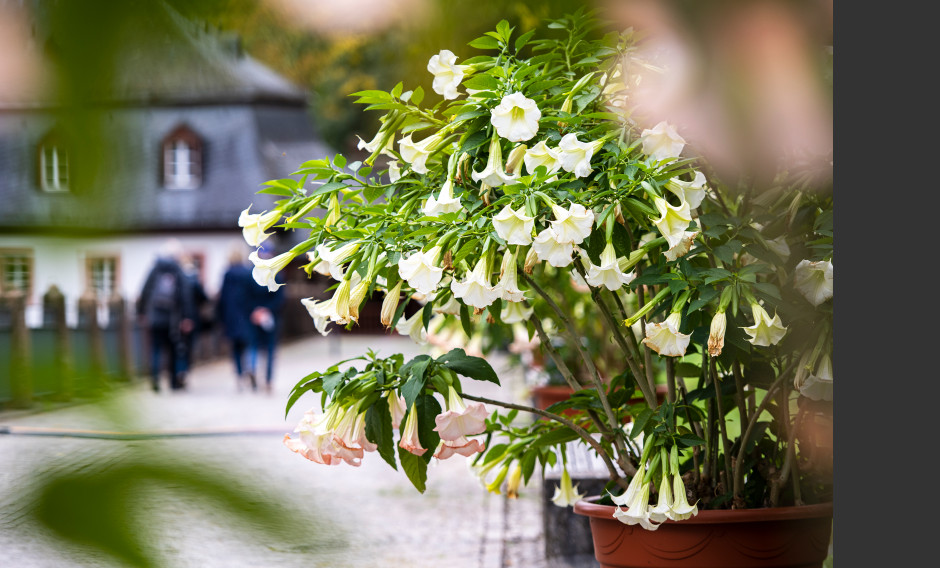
x: 61, y: 261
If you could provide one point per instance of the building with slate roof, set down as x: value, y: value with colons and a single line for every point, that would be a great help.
x: 195, y: 128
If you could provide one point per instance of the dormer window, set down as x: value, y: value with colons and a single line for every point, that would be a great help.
x: 53, y: 164
x: 182, y: 159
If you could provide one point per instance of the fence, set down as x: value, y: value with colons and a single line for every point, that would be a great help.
x: 58, y: 362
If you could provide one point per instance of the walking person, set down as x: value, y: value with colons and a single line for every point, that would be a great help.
x: 237, y: 299
x: 197, y: 305
x: 164, y: 308
x: 265, y: 319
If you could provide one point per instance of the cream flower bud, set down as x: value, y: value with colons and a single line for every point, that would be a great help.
x: 447, y: 74
x: 507, y: 288
x: 665, y: 339
x: 766, y: 331
x: 673, y: 222
x: 390, y: 304
x: 514, y: 161
x: 409, y: 434
x: 394, y: 171
x: 542, y: 155
x: 814, y: 280
x: 333, y: 215
x: 515, y: 227
x: 356, y: 296
x: 716, y: 334
x: 513, y: 482
x: 516, y: 118
x: 531, y: 259
x: 254, y: 225
x: 662, y: 142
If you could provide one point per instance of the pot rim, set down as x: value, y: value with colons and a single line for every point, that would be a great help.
x: 589, y: 508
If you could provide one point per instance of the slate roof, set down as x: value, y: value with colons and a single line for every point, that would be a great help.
x: 253, y: 124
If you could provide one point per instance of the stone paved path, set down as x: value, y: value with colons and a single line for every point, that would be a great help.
x: 336, y: 516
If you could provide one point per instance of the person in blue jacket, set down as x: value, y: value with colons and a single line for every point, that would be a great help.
x: 237, y: 299
x: 265, y: 319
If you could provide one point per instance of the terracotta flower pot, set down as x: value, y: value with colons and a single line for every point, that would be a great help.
x: 547, y: 395
x: 780, y: 537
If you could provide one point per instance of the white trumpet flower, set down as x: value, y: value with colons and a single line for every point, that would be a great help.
x: 447, y: 74
x: 494, y: 174
x: 254, y: 225
x: 692, y: 192
x: 515, y: 227
x: 572, y: 225
x: 665, y: 339
x: 662, y: 142
x: 814, y: 280
x: 475, y: 290
x: 266, y: 269
x: 575, y: 155
x: 766, y: 331
x: 673, y: 222
x: 444, y: 203
x: 547, y: 247
x: 516, y: 118
x: 542, y: 155
x: 608, y: 274
x: 420, y: 271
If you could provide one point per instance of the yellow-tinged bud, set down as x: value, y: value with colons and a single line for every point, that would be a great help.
x: 356, y: 296
x: 531, y: 259
x: 390, y: 304
x: 493, y: 486
x: 716, y: 334
x: 515, y: 480
x: 333, y: 217
x: 515, y: 158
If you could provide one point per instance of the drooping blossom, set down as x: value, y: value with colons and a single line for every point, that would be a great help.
x: 716, y: 334
x: 461, y: 446
x: 507, y: 288
x: 460, y: 419
x: 514, y: 312
x: 331, y: 260
x: 390, y: 304
x: 692, y: 192
x: 372, y: 146
x: 662, y: 142
x: 682, y: 247
x: 681, y: 509
x: 542, y: 155
x: 608, y: 273
x: 819, y: 385
x: 444, y: 203
x: 475, y: 289
x: 673, y: 222
x: 254, y: 225
x: 547, y: 247
x: 632, y: 488
x: 514, y: 481
x: 356, y: 295
x: 419, y: 270
x: 394, y: 171
x: 665, y: 339
x: 413, y: 327
x: 814, y: 280
x: 566, y: 494
x: 447, y: 74
x: 409, y: 434
x: 451, y: 306
x: 572, y: 225
x: 396, y: 407
x: 663, y: 508
x: 417, y: 153
x: 515, y: 227
x: 316, y: 440
x: 766, y: 331
x: 320, y: 319
x: 350, y: 431
x: 575, y: 155
x: 494, y: 174
x: 516, y: 118
x: 637, y: 512
x: 532, y: 258
x: 266, y: 269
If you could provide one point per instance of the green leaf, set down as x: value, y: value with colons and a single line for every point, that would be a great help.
x: 417, y: 96
x: 331, y: 381
x: 476, y: 368
x: 555, y: 437
x: 524, y: 39
x: 415, y: 468
x: 328, y: 187
x: 416, y: 370
x: 275, y: 190
x: 482, y: 82
x: 639, y: 422
x: 465, y: 322
x: 428, y: 409
x: 484, y: 42
x: 311, y: 382
x: 339, y: 161
x: 379, y: 430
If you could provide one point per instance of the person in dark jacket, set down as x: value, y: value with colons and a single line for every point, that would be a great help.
x: 265, y: 319
x: 199, y: 302
x: 164, y: 307
x: 237, y: 299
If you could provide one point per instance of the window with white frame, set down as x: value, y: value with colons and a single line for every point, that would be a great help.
x: 16, y: 271
x: 182, y: 159
x: 102, y: 274
x: 53, y: 166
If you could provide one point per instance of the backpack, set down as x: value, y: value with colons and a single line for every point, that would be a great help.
x: 164, y: 297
